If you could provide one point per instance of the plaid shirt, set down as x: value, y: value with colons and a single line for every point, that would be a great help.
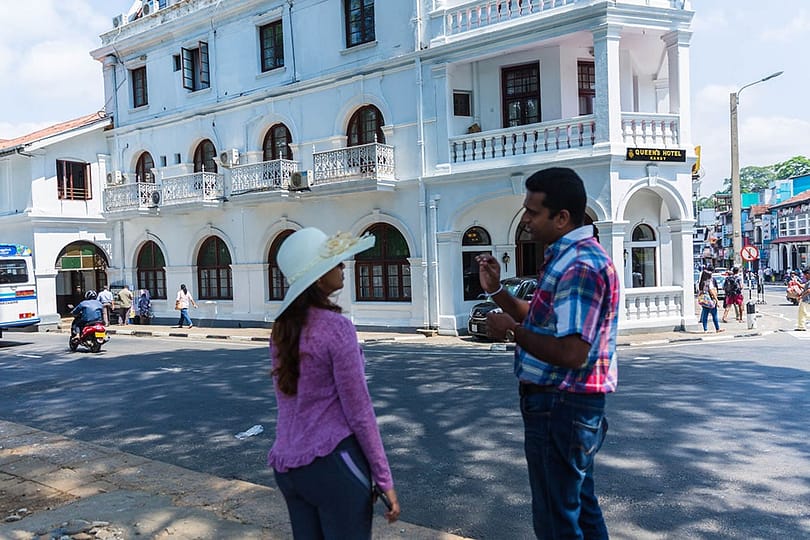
x: 577, y: 293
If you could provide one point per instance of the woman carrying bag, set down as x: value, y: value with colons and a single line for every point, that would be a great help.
x: 328, y: 454
x: 707, y: 299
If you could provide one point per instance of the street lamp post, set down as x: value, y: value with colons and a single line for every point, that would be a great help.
x: 736, y: 203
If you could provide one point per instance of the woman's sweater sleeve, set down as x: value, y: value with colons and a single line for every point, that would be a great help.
x: 348, y: 368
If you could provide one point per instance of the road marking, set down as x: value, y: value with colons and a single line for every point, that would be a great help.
x: 23, y: 355
x: 704, y: 341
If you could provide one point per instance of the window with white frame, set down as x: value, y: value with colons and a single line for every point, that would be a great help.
x: 196, y: 69
x: 140, y: 96
x: 476, y: 240
x: 643, y: 254
x: 271, y: 40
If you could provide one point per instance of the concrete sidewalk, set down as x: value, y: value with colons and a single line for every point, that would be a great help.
x: 55, y: 487
x: 766, y: 322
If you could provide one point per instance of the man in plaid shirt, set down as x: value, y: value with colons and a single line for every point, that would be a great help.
x: 565, y: 354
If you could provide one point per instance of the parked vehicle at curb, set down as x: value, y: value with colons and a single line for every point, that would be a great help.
x: 519, y: 287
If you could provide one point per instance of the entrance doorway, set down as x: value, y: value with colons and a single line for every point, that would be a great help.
x: 530, y: 252
x: 81, y: 266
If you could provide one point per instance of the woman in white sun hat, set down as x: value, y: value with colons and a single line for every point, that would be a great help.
x: 328, y: 452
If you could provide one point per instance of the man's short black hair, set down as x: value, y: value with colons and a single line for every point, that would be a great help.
x: 564, y: 190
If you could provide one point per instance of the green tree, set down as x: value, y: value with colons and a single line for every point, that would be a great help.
x: 795, y: 166
x: 753, y: 179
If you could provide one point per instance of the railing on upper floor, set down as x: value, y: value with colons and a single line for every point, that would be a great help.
x: 192, y: 187
x: 475, y: 14
x: 135, y: 196
x: 646, y: 130
x: 262, y: 176
x: 374, y: 160
x: 575, y: 132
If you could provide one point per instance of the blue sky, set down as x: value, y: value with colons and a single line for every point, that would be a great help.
x: 49, y: 77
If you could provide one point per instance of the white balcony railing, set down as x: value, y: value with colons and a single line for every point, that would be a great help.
x: 654, y: 303
x: 136, y: 196
x: 262, y: 176
x: 521, y: 140
x: 194, y: 187
x: 475, y: 14
x: 374, y: 160
x: 650, y: 130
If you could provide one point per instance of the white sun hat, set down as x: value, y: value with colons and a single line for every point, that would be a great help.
x: 308, y: 254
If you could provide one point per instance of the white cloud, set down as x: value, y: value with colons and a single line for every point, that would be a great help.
x: 44, y: 50
x: 798, y: 25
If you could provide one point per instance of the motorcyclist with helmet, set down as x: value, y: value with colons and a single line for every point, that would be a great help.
x: 87, y: 312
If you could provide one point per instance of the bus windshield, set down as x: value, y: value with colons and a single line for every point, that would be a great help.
x: 13, y: 271
x: 18, y: 288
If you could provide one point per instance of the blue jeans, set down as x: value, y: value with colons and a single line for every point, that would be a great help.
x: 331, y: 497
x: 184, y: 318
x: 563, y: 433
x: 704, y: 318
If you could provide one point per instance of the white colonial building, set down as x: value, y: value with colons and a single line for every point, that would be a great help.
x: 51, y: 201
x: 236, y: 123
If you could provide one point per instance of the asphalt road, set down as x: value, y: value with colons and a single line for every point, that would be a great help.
x: 706, y: 440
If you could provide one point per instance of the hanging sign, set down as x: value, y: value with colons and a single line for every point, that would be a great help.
x: 656, y: 154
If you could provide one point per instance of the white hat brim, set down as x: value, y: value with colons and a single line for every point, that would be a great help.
x: 320, y: 268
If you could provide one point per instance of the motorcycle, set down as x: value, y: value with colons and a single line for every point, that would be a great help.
x: 92, y: 336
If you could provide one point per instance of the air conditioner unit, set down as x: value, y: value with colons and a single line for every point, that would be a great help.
x: 229, y: 158
x: 115, y: 178
x: 148, y: 6
x: 300, y: 180
x: 118, y: 20
x: 155, y: 196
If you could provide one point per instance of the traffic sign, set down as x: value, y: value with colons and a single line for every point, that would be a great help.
x: 749, y: 253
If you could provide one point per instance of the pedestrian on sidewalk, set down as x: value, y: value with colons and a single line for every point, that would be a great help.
x: 106, y: 299
x: 328, y: 452
x: 124, y: 305
x: 183, y: 301
x: 734, y: 295
x: 708, y: 286
x: 144, y: 307
x: 804, y: 302
x: 565, y: 353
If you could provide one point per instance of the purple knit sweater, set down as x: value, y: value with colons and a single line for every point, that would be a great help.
x: 332, y: 400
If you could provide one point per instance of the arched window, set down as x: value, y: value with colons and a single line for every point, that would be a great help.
x: 277, y: 143
x: 365, y: 126
x: 278, y: 283
x: 204, y: 157
x: 476, y: 240
x: 143, y: 168
x: 214, y: 270
x: 152, y: 270
x: 642, y: 253
x: 383, y: 273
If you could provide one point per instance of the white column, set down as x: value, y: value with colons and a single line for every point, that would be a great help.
x: 607, y: 104
x: 677, y: 43
x: 612, y: 236
x: 450, y: 281
x: 443, y: 104
x: 682, y: 263
x: 250, y: 291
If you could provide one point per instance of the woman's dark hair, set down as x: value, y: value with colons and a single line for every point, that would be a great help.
x: 183, y: 288
x: 564, y: 190
x: 286, y: 336
x: 705, y: 276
